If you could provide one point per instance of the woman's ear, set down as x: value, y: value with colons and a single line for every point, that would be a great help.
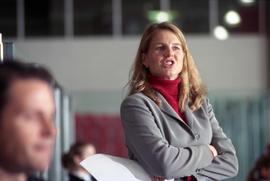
x: 144, y: 60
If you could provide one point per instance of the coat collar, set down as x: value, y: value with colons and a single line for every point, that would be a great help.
x: 165, y: 107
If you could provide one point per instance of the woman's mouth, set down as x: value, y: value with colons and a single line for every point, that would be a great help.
x: 168, y: 63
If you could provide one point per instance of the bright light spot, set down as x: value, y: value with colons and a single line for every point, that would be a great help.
x: 221, y: 33
x: 162, y: 16
x: 247, y: 1
x: 232, y: 17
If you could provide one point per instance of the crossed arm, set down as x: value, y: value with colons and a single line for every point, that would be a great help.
x: 161, y: 159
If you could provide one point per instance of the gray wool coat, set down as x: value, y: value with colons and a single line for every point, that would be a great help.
x: 159, y: 140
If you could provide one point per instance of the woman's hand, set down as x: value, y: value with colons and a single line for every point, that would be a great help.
x: 213, y: 150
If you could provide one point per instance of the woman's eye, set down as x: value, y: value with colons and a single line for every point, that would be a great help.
x: 177, y: 48
x: 160, y: 48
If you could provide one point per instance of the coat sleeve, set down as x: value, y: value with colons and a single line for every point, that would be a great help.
x: 225, y: 164
x: 152, y: 150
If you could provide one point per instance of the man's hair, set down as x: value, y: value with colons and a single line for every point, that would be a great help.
x: 12, y: 70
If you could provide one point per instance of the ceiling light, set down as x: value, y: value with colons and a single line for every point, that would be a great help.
x: 247, y: 2
x: 232, y: 18
x: 221, y: 33
x: 160, y: 16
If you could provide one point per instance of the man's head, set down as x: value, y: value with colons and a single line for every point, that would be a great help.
x: 27, y: 112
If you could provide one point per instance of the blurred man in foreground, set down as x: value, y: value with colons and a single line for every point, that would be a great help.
x: 27, y: 112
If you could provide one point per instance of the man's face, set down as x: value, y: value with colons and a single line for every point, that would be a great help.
x: 27, y: 128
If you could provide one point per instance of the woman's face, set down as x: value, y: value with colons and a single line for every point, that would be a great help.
x: 165, y: 55
x: 265, y: 172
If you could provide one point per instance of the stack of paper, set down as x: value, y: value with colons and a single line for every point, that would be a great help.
x: 107, y: 168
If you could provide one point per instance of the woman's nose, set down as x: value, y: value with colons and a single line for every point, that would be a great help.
x: 169, y: 52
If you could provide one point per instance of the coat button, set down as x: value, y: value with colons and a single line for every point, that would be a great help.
x: 197, y: 136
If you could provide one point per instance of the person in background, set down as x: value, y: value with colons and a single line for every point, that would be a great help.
x: 27, y: 112
x: 261, y: 170
x: 71, y: 161
x: 170, y: 126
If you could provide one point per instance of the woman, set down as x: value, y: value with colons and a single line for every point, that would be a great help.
x: 71, y: 161
x: 261, y: 170
x: 169, y: 124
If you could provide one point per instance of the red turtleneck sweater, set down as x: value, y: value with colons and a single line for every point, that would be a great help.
x: 170, y: 91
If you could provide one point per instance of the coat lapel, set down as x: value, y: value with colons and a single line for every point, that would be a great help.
x: 189, y: 116
x: 165, y: 107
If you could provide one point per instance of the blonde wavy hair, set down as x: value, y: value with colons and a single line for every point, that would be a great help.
x: 191, y: 88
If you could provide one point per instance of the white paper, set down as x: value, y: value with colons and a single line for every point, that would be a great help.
x: 107, y: 168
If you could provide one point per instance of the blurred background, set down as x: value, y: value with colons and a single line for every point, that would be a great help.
x: 90, y: 45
